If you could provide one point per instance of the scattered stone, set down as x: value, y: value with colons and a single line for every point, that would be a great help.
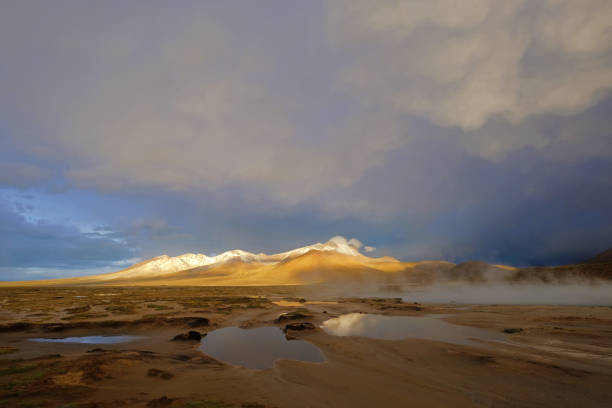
x: 485, y: 359
x: 295, y: 315
x: 191, y: 335
x: 161, y: 402
x: 204, y: 360
x: 78, y: 309
x: 299, y: 326
x: 247, y: 324
x: 513, y: 330
x: 198, y: 322
x: 46, y: 357
x: 155, y: 372
x: 154, y: 321
x: 15, y: 327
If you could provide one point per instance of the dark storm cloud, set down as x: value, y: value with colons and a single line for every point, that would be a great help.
x: 427, y: 129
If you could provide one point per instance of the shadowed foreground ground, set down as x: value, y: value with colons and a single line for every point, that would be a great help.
x: 561, y: 358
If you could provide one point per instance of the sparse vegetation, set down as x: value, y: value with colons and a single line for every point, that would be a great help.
x: 121, y: 309
x: 159, y: 307
x: 16, y: 370
x: 78, y: 309
x: 85, y: 316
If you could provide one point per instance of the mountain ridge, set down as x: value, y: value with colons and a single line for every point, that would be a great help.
x: 335, y: 261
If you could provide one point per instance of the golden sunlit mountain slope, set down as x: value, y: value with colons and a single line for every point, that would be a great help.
x: 335, y: 261
x: 332, y: 261
x: 312, y: 267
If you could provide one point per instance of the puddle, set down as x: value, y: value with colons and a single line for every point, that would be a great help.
x: 402, y: 327
x: 257, y: 348
x: 89, y: 339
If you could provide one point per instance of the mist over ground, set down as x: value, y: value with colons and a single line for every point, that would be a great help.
x: 481, y: 283
x: 518, y: 294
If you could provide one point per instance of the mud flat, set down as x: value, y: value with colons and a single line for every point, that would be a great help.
x: 508, y: 356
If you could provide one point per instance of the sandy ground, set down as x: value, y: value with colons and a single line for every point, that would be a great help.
x: 561, y: 358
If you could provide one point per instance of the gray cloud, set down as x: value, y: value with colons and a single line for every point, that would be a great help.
x: 430, y: 129
x: 155, y: 228
x: 18, y: 174
x: 174, y: 103
x: 160, y: 98
x: 461, y: 63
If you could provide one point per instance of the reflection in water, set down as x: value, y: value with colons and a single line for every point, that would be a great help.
x: 401, y: 327
x: 90, y: 339
x: 257, y: 348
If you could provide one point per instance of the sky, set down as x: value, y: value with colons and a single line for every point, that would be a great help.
x: 479, y: 129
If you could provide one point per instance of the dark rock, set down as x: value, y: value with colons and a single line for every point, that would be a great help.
x: 57, y: 327
x: 299, y: 326
x: 513, y: 330
x: 18, y: 326
x: 96, y: 350
x: 191, y: 335
x: 197, y: 322
x: 161, y: 402
x: 204, y: 360
x: 78, y: 309
x: 485, y: 359
x: 47, y: 356
x: 189, y: 321
x: 155, y: 372
x: 291, y: 316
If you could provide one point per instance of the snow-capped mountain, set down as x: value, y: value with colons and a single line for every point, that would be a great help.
x: 336, y: 244
x: 165, y: 264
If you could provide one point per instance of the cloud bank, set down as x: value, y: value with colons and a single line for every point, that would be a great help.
x: 431, y: 129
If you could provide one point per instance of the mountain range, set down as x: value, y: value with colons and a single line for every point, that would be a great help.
x: 335, y: 261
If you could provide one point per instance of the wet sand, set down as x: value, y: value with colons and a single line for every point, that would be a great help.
x: 562, y: 357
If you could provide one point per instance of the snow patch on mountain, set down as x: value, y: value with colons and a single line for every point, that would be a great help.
x: 165, y: 264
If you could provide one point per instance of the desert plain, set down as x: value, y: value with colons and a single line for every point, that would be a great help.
x: 548, y: 356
